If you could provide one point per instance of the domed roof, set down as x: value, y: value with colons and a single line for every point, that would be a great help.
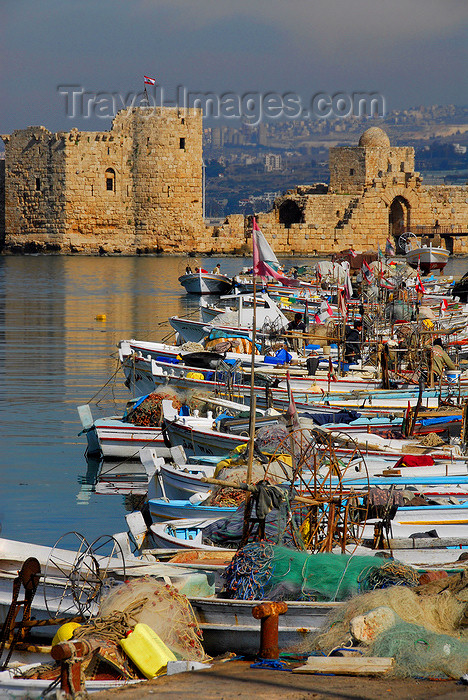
x: 374, y: 138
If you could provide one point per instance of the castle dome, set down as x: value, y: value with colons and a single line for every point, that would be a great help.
x: 374, y: 138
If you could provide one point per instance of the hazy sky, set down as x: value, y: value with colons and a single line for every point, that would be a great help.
x: 410, y: 51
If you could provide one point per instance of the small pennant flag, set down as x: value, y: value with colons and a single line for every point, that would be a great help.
x: 367, y: 272
x: 326, y: 308
x: 419, y: 285
x: 352, y: 253
x: 342, y: 305
x: 389, y: 247
x: 149, y: 81
x: 443, y: 307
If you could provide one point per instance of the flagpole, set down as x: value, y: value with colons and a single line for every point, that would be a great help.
x: 253, y: 402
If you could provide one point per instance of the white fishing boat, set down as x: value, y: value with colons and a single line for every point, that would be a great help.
x: 447, y: 521
x: 268, y: 317
x: 183, y: 534
x: 427, y: 258
x: 114, y: 438
x: 204, y: 282
x: 423, y: 257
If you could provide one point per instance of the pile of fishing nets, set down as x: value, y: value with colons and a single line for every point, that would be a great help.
x: 160, y: 606
x: 234, y: 467
x: 148, y: 410
x: 425, y: 629
x: 264, y: 571
x: 146, y: 600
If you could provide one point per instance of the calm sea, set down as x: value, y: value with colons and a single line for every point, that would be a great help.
x: 54, y: 356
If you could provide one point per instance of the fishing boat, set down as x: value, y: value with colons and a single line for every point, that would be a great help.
x: 423, y: 257
x: 204, y: 282
x: 268, y: 317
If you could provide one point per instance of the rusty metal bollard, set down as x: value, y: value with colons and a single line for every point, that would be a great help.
x: 269, y: 613
x: 71, y: 654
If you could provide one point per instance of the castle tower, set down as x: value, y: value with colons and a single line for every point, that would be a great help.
x: 138, y: 185
x: 353, y: 168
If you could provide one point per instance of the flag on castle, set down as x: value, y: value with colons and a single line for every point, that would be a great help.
x: 149, y: 81
x: 367, y: 272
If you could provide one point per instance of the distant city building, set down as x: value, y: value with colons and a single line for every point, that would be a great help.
x: 273, y: 161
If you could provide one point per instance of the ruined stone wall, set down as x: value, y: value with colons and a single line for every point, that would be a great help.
x: 34, y: 184
x: 92, y: 210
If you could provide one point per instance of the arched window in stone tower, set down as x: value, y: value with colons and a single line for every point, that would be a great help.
x: 110, y: 180
x: 290, y: 213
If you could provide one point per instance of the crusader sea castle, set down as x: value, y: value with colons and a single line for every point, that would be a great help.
x: 138, y: 188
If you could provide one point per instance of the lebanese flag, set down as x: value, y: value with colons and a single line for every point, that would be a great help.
x: 326, y: 308
x: 419, y: 285
x: 443, y: 307
x: 149, y: 81
x: 291, y: 411
x: 352, y: 253
x: 367, y: 272
x: 264, y: 259
x: 342, y: 304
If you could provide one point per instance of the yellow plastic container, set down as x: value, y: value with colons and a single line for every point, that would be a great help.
x: 65, y: 632
x: 195, y: 375
x: 147, y: 651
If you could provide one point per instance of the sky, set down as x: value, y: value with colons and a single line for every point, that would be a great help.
x: 413, y: 52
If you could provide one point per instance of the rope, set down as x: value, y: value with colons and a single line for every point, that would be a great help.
x: 115, y: 626
x: 104, y: 385
x: 389, y: 574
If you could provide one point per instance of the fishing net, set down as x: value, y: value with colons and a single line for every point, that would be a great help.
x: 420, y: 653
x: 440, y: 613
x: 264, y: 571
x: 149, y: 411
x: 160, y: 606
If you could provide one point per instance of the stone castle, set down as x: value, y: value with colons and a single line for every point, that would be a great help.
x: 138, y: 188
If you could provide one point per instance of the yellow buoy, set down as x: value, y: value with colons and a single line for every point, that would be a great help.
x: 101, y: 317
x: 65, y: 632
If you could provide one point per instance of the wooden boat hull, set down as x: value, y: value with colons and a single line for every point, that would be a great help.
x: 205, y: 283
x: 428, y: 258
x: 112, y: 437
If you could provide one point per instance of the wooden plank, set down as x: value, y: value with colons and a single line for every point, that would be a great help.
x: 346, y: 666
x: 423, y: 542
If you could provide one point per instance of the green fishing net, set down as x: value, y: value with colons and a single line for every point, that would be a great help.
x: 421, y: 654
x: 271, y: 572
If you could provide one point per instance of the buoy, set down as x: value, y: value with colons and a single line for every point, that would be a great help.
x: 65, y: 632
x: 101, y: 317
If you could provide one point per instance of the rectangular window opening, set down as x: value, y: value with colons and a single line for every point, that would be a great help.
x: 182, y: 143
x: 351, y: 171
x: 110, y: 184
x: 38, y: 184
